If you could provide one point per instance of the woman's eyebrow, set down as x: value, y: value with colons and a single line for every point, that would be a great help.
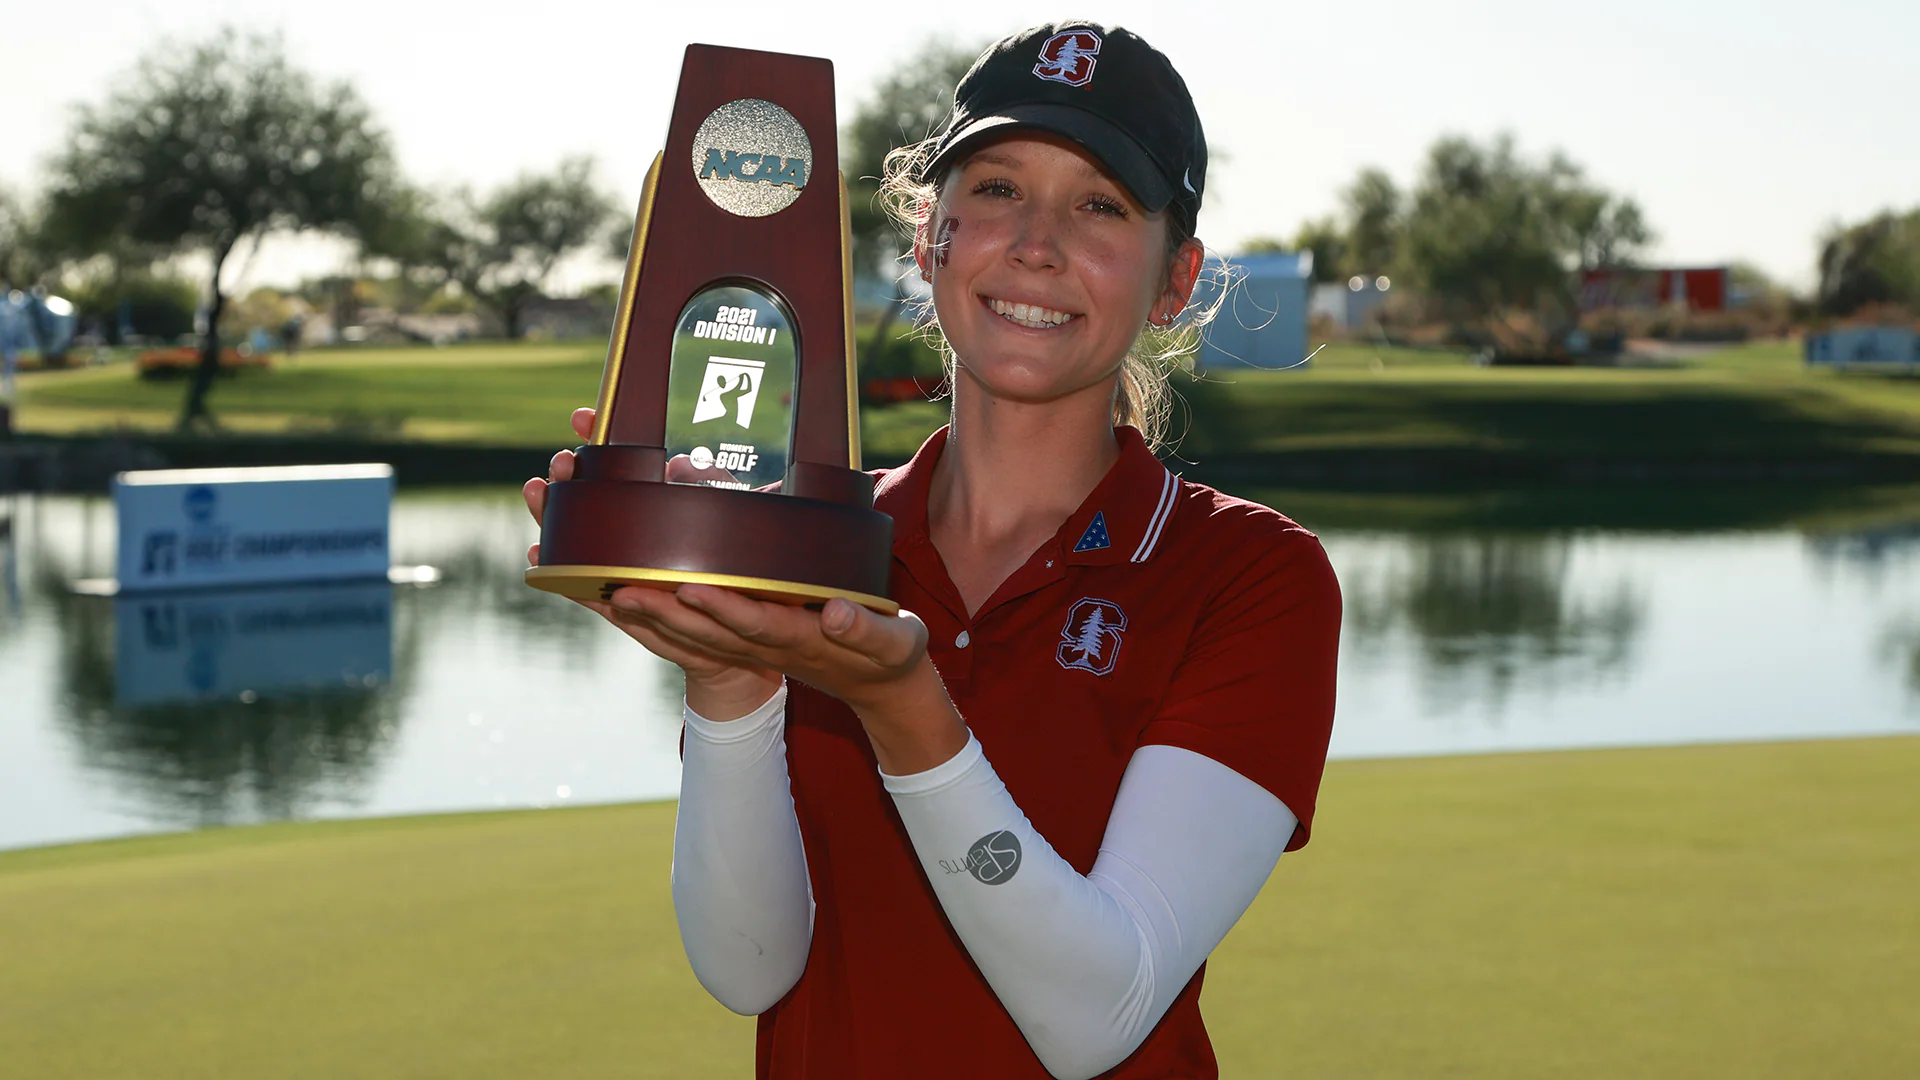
x: 989, y: 157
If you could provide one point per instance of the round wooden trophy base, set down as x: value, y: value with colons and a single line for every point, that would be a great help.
x: 599, y: 535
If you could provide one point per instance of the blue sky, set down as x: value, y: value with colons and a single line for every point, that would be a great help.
x: 1743, y: 129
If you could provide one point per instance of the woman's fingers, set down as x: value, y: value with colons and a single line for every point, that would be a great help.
x: 535, y: 492
x: 668, y: 649
x: 694, y: 653
x: 888, y: 640
x: 533, y: 554
x: 582, y: 421
x: 690, y: 624
x: 756, y: 621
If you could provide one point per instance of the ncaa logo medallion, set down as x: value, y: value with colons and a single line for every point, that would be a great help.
x: 752, y: 158
x: 1068, y: 57
x: 1090, y: 640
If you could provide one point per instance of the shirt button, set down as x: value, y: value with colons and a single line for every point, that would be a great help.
x: 961, y: 641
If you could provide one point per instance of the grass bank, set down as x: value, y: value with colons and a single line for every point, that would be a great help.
x: 1749, y: 402
x: 1704, y: 911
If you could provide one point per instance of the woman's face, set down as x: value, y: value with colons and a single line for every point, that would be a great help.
x: 1044, y: 268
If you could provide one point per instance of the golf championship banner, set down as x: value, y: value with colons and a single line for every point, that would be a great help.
x: 195, y: 528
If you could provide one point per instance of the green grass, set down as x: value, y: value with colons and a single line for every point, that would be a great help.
x: 1754, y: 400
x: 492, y: 393
x: 1805, y: 507
x: 1707, y: 911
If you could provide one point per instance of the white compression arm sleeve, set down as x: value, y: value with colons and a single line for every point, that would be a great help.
x: 1086, y: 966
x: 740, y: 886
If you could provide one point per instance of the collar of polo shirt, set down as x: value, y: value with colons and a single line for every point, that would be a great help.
x: 1136, y: 498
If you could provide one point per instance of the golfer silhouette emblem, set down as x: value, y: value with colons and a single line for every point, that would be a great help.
x: 729, y: 386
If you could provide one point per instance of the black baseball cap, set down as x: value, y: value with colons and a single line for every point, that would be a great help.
x: 1101, y: 86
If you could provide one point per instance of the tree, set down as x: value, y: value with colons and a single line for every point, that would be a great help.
x: 1489, y: 231
x: 1373, y: 207
x: 1322, y: 236
x: 1874, y: 262
x: 212, y: 146
x: 20, y: 252
x: 909, y: 103
x: 500, y: 250
x: 1605, y: 231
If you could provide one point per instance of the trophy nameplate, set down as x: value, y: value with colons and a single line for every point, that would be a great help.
x: 726, y: 450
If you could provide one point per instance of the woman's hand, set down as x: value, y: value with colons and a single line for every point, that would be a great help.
x: 718, y: 688
x: 875, y: 663
x: 735, y: 649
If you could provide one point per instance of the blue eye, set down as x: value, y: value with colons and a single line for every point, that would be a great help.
x: 996, y: 188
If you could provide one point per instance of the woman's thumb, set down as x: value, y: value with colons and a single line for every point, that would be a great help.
x: 839, y: 616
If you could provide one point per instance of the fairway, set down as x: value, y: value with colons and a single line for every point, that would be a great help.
x: 1703, y: 911
x: 1752, y: 401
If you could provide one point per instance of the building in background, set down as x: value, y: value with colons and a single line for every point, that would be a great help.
x: 1262, y: 321
x: 1351, y: 304
x: 1700, y: 288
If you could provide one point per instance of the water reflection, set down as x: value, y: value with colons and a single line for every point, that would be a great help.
x: 1871, y: 553
x: 1489, y: 614
x: 1880, y: 560
x: 1461, y: 636
x: 168, y: 711
x: 237, y: 705
x: 249, y: 643
x: 10, y: 604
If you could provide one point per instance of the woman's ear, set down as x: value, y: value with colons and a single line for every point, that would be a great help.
x: 1182, y: 276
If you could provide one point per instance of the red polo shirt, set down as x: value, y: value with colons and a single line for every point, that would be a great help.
x: 1162, y: 612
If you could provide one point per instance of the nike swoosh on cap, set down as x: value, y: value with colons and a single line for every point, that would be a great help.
x: 1186, y: 180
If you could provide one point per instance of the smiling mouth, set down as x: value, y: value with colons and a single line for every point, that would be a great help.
x: 1031, y: 316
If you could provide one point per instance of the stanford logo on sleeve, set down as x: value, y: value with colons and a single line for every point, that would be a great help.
x: 1090, y: 640
x: 1068, y: 57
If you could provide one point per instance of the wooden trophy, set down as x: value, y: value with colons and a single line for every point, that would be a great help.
x: 727, y: 446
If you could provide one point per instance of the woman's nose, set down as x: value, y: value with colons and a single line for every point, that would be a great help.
x: 1037, y: 239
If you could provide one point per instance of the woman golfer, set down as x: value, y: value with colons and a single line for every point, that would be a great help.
x: 998, y: 834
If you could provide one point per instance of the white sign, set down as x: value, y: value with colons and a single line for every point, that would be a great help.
x: 191, y: 528
x: 1874, y: 345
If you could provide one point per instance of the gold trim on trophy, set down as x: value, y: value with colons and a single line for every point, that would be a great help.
x: 853, y: 352
x: 623, y: 314
x: 594, y: 582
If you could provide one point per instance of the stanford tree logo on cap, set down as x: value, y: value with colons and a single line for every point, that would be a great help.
x: 1068, y: 57
x: 1137, y: 119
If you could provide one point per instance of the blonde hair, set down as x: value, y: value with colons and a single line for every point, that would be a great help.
x: 1143, y: 398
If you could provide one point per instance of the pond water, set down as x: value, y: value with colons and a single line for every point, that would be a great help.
x: 130, y: 716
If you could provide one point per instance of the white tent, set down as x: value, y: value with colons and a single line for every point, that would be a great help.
x: 1262, y: 322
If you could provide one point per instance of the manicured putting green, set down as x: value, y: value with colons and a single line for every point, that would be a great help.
x: 1738, y: 911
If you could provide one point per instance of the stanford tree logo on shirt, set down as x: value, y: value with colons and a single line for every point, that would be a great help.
x: 1090, y: 640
